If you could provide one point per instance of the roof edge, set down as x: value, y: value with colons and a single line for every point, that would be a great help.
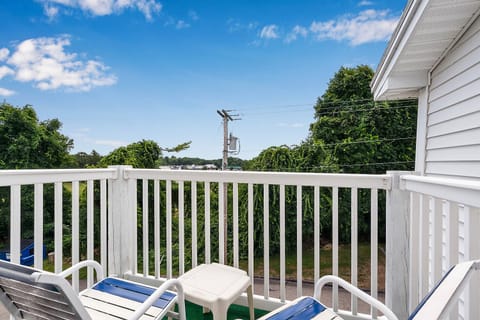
x: 399, y: 33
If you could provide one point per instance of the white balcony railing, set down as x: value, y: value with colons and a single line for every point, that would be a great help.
x: 444, y: 230
x: 156, y: 224
x: 331, y: 183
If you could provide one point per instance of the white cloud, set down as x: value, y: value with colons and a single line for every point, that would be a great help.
x: 4, y: 52
x: 103, y: 7
x: 5, y: 71
x: 181, y: 24
x: 269, y: 32
x: 50, y: 11
x: 6, y: 93
x: 44, y: 62
x: 296, y: 31
x: 365, y: 3
x: 368, y: 26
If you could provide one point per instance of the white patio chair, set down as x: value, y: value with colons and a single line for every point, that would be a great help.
x: 434, y: 306
x: 28, y: 293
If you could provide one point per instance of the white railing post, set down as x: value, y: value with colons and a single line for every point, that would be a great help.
x: 120, y: 224
x: 397, y: 246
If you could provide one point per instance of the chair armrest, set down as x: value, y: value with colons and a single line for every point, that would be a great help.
x: 82, y: 264
x: 157, y: 293
x: 354, y: 291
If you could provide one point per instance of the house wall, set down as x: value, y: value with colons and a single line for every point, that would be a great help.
x: 453, y: 117
x: 452, y: 143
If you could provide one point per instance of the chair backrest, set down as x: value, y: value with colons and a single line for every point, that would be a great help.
x: 28, y: 293
x: 439, y: 301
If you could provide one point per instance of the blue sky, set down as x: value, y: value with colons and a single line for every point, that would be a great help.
x: 118, y: 71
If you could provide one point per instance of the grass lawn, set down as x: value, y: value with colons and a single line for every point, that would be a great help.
x: 344, y: 259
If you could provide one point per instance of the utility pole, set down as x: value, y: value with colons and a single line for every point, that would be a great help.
x: 226, y: 116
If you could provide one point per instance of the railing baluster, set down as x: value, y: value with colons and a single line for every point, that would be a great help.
x: 374, y: 247
x: 103, y: 224
x: 133, y: 227
x: 156, y: 226
x: 58, y: 226
x: 75, y: 231
x: 266, y: 242
x: 110, y: 229
x: 169, y: 228
x: 250, y: 231
x: 299, y: 241
x: 90, y: 234
x: 316, y: 233
x: 207, y: 222
x: 221, y: 222
x: 354, y: 245
x: 145, y: 225
x: 472, y: 251
x: 452, y: 244
x: 423, y: 244
x: 181, y: 228
x: 414, y: 250
x: 437, y: 239
x: 194, y: 224
x: 15, y: 223
x: 452, y: 234
x: 282, y: 244
x: 235, y: 226
x: 38, y: 226
x: 335, y: 244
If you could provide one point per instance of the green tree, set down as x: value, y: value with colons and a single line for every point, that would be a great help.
x: 141, y: 154
x: 281, y: 158
x: 27, y: 143
x: 86, y: 160
x: 363, y: 136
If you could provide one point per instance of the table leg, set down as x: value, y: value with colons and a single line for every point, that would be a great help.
x: 250, y: 302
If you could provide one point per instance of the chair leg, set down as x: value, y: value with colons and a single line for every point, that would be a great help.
x: 250, y: 302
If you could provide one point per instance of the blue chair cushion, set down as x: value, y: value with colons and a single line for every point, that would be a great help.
x: 306, y: 308
x: 132, y: 291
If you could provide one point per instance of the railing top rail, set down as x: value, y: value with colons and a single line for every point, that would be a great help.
x: 33, y: 176
x: 466, y: 192
x: 276, y: 178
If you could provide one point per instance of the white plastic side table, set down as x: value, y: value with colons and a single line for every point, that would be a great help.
x: 216, y: 286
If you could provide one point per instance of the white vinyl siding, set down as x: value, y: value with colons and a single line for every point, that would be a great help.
x: 453, y: 119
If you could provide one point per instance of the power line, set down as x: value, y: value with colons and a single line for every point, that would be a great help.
x: 335, y: 104
x: 350, y: 142
x: 340, y: 166
x: 275, y: 106
x: 369, y: 109
x: 326, y: 112
x: 367, y: 141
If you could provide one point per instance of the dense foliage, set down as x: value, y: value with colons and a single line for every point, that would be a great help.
x: 141, y: 154
x: 363, y: 136
x: 27, y: 143
x: 87, y: 160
